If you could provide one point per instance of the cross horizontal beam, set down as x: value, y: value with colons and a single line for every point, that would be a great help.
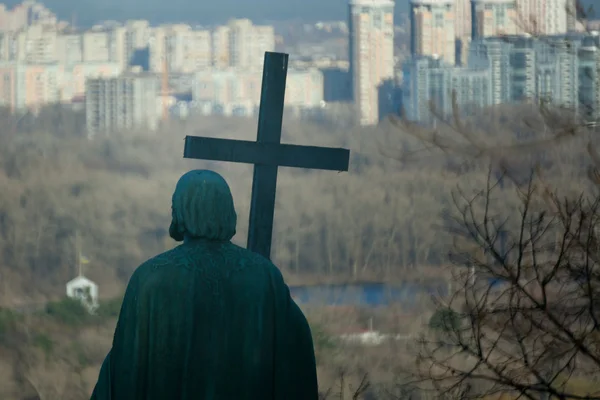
x: 273, y: 154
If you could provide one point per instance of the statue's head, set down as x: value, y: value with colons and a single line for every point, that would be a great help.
x: 202, y: 208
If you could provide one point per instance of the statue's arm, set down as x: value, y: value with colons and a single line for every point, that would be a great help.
x: 295, y: 361
x: 302, y: 340
x: 102, y: 390
x: 121, y: 351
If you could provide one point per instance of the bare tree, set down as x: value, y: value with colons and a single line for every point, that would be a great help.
x: 523, y: 320
x: 346, y: 390
x: 526, y: 317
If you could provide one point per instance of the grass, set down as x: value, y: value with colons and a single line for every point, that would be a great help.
x: 8, y: 323
x: 72, y: 313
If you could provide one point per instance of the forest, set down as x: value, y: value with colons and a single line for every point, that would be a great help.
x: 114, y: 192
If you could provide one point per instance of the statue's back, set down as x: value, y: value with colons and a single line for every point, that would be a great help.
x: 209, y: 320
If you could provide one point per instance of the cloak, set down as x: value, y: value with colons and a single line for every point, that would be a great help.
x: 208, y: 320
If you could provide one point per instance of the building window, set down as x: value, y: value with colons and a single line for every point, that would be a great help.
x: 439, y: 20
x: 501, y: 16
x: 377, y: 21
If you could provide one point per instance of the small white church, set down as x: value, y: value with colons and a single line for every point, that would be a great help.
x: 84, y: 290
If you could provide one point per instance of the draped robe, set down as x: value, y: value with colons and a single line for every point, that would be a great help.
x: 208, y: 320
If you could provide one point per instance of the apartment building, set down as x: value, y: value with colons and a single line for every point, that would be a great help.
x: 37, y: 43
x: 433, y: 29
x: 235, y: 91
x: 69, y: 48
x: 128, y: 101
x: 371, y: 54
x: 546, y: 17
x: 494, y: 18
x: 304, y: 88
x: 184, y: 49
x: 241, y: 44
x: 561, y: 69
x: 29, y: 86
x: 25, y: 14
x: 430, y: 80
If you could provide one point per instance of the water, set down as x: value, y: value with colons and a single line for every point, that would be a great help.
x: 368, y: 294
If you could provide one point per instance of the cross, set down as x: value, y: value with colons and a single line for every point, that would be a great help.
x: 267, y: 153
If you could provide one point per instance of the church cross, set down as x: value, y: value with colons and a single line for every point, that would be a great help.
x: 267, y: 153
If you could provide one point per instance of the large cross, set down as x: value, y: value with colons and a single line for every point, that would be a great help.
x: 267, y: 153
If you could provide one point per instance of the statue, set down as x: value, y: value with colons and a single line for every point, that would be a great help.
x: 208, y: 320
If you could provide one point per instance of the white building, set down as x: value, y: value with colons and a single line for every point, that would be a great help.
x: 84, y: 290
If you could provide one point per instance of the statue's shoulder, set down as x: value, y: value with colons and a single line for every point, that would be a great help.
x: 168, y: 258
x: 230, y: 258
x: 254, y: 259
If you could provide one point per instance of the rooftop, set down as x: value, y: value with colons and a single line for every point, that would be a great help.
x: 372, y: 3
x: 431, y: 2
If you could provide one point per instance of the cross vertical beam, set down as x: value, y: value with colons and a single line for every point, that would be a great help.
x: 264, y: 182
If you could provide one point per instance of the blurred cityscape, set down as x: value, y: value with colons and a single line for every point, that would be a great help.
x: 467, y: 53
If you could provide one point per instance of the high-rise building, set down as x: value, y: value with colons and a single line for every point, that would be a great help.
x: 561, y: 69
x: 462, y: 29
x: 25, y: 14
x: 494, y: 18
x: 462, y: 18
x: 236, y: 91
x: 124, y: 102
x: 429, y: 81
x: 69, y: 48
x: 304, y: 88
x: 220, y: 46
x: 493, y: 54
x: 137, y: 37
x: 96, y: 45
x: 371, y: 54
x: 546, y: 17
x: 589, y: 77
x: 432, y: 29
x: 29, y: 86
x: 227, y: 91
x: 75, y: 76
x: 9, y: 46
x: 37, y: 44
x: 241, y: 44
x: 185, y: 50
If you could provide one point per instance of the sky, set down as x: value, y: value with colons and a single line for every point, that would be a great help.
x: 209, y: 11
x: 201, y: 11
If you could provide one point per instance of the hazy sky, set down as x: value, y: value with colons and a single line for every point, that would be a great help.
x: 209, y: 11
x: 201, y: 11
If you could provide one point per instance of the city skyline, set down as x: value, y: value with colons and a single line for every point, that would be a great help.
x: 216, y: 70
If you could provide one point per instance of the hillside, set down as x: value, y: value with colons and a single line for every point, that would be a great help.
x: 115, y: 192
